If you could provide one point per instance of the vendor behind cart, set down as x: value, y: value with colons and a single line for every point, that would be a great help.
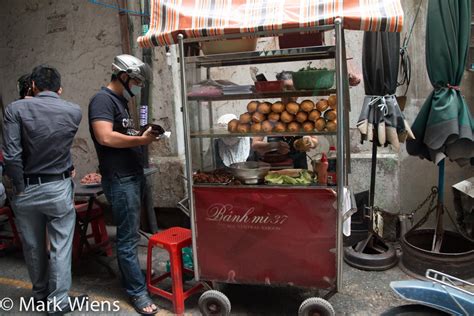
x: 227, y: 150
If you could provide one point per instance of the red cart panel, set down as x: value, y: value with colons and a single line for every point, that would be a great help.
x: 265, y: 235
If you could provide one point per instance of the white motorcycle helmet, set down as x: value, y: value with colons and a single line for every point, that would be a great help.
x: 132, y: 66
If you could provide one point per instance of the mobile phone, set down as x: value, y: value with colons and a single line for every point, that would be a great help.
x: 156, y: 129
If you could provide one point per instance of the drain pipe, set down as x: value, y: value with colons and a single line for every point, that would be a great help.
x: 146, y: 100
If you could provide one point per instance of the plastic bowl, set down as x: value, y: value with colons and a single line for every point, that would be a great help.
x: 229, y: 46
x: 313, y: 79
x: 268, y: 86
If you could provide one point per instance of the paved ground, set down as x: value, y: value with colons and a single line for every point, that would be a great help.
x: 363, y: 293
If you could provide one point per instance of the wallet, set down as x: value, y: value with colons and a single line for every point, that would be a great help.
x: 156, y: 129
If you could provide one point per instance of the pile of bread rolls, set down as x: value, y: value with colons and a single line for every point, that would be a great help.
x: 306, y: 116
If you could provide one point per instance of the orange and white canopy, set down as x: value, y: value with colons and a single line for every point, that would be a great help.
x: 200, y: 19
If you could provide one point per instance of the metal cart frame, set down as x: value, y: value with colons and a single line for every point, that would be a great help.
x: 342, y: 129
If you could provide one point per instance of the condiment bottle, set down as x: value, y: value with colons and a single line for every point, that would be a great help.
x: 332, y: 173
x: 322, y: 170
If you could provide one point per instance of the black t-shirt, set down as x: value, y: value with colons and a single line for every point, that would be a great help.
x: 108, y: 106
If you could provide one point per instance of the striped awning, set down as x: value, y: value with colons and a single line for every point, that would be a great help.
x: 206, y: 18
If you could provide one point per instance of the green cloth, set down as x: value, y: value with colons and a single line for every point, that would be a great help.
x: 444, y: 126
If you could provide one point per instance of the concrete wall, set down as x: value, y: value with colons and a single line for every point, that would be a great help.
x: 76, y: 37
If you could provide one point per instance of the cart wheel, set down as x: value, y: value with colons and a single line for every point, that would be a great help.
x: 316, y: 306
x: 214, y: 303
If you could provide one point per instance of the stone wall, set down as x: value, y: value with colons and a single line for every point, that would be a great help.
x: 76, y: 37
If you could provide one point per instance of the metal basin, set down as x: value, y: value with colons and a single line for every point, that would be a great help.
x: 456, y: 256
x: 250, y: 172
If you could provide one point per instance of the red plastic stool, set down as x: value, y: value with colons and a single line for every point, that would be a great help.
x: 172, y: 240
x: 98, y: 228
x: 12, y: 239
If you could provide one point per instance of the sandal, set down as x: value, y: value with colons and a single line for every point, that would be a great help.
x: 142, y: 301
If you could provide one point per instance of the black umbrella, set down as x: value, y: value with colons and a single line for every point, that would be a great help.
x: 381, y: 121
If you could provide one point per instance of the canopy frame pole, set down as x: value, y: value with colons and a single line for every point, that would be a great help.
x: 187, y: 150
x: 439, y: 230
x: 341, y: 163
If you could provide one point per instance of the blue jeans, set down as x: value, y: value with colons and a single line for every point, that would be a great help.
x: 125, y: 196
x: 47, y: 206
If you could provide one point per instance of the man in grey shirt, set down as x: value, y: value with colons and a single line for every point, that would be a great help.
x: 38, y: 134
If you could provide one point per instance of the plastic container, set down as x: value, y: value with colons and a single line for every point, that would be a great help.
x: 269, y: 86
x: 229, y: 46
x: 293, y: 40
x: 332, y: 165
x: 322, y: 170
x: 313, y: 79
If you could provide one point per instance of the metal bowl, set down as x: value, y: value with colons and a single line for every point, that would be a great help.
x: 250, y: 172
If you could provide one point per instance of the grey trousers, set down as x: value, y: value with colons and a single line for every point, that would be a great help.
x: 47, y: 206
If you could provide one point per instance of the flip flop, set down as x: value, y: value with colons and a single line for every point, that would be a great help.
x: 142, y: 301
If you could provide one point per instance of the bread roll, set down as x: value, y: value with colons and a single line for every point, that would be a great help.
x: 286, y: 117
x: 307, y: 105
x: 232, y: 126
x: 280, y: 127
x: 264, y: 107
x: 274, y: 117
x: 267, y: 126
x: 243, y: 128
x: 332, y: 100
x: 258, y: 117
x: 322, y: 105
x: 331, y: 126
x: 320, y: 124
x: 314, y: 115
x: 294, y: 127
x: 252, y: 106
x: 308, y: 126
x: 292, y: 107
x: 245, y: 118
x: 278, y: 107
x: 301, y: 116
x: 330, y: 115
x: 256, y: 128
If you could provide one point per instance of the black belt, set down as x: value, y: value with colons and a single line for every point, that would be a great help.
x: 45, y: 178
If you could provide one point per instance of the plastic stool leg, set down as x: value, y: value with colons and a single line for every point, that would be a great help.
x: 177, y: 280
x: 149, y: 257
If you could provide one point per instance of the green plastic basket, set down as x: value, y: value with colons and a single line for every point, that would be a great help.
x: 313, y: 79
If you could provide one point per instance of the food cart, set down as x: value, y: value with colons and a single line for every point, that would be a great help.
x: 259, y: 233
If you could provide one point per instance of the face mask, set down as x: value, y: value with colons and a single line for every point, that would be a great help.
x: 135, y: 91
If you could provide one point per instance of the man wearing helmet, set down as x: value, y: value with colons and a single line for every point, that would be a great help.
x: 120, y: 157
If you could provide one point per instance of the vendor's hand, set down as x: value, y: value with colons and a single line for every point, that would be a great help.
x: 148, y: 136
x: 283, y: 148
x: 306, y: 143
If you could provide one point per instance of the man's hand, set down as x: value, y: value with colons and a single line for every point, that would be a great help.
x: 149, y: 136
